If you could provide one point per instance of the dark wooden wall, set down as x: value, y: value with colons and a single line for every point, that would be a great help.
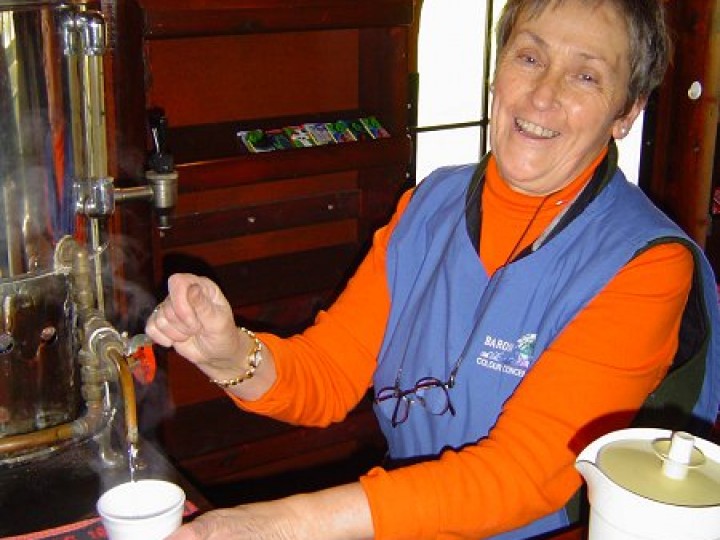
x: 682, y: 132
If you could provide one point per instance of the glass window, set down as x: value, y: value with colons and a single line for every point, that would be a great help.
x: 453, y: 68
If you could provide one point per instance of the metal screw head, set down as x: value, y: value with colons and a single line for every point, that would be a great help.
x: 695, y: 90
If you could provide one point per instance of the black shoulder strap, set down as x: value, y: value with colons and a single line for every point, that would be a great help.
x: 670, y: 406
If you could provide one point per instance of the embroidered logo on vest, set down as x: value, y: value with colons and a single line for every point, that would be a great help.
x: 506, y: 356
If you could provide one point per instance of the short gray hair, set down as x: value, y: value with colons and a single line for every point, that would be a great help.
x: 649, y: 40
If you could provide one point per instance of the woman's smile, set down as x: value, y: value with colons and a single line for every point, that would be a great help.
x: 535, y: 131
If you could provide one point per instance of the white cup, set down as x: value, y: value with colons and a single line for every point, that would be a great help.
x: 146, y: 509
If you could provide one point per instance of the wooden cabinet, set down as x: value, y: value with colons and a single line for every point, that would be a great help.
x: 279, y: 231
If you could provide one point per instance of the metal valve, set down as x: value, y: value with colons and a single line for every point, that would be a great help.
x: 161, y: 176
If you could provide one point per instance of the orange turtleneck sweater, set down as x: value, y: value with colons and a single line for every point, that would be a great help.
x: 603, y: 364
x: 512, y: 221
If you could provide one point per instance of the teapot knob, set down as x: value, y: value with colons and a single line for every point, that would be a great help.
x: 679, y: 455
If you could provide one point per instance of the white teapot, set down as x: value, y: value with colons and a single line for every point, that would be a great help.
x: 653, y: 484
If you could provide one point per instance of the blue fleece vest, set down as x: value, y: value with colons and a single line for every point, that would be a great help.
x: 444, y: 308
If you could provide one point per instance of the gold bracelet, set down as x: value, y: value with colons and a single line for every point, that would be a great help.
x: 254, y: 359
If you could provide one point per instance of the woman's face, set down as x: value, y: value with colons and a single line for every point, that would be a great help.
x: 560, y: 87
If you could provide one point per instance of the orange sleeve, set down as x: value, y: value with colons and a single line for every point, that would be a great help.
x: 603, y: 365
x: 324, y: 372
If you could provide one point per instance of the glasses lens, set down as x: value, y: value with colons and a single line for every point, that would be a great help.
x: 386, y: 393
x: 402, y: 410
x: 433, y: 395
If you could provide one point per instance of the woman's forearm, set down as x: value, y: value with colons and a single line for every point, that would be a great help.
x: 341, y: 513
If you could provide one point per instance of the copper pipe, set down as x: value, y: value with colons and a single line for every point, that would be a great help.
x: 128, y: 391
x: 81, y: 427
x: 37, y: 439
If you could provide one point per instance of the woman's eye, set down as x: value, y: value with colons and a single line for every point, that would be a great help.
x: 588, y: 78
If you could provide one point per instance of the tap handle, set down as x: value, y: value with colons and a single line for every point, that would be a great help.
x: 141, y: 358
x: 161, y: 161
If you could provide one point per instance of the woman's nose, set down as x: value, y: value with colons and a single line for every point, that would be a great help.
x: 547, y: 90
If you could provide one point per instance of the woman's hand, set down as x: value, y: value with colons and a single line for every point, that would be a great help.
x: 338, y: 513
x: 262, y: 521
x: 197, y: 321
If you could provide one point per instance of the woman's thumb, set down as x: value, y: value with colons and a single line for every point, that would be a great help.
x: 198, y: 301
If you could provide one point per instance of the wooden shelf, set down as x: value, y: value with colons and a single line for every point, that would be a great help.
x: 297, y: 162
x: 182, y: 18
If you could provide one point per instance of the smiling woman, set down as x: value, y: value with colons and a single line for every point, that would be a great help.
x: 561, y: 91
x: 491, y: 313
x: 453, y: 91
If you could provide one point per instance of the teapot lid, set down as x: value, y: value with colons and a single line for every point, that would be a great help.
x: 667, y: 470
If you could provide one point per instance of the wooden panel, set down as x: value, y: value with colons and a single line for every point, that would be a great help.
x: 712, y: 247
x: 384, y: 52
x: 226, y: 251
x: 287, y: 315
x: 319, y: 270
x: 265, y: 192
x: 253, y: 219
x: 378, y: 200
x: 172, y: 18
x: 575, y: 533
x: 187, y: 384
x: 684, y: 140
x: 258, y: 447
x: 258, y: 76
